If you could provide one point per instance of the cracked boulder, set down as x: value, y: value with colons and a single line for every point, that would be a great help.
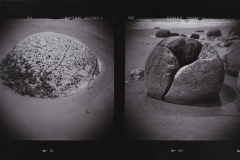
x: 180, y: 70
x: 49, y: 65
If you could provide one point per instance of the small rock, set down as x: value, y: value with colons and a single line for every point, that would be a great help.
x: 194, y: 36
x: 157, y: 28
x: 146, y: 43
x: 137, y: 74
x: 214, y: 32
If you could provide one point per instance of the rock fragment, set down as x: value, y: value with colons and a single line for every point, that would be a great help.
x: 200, y: 81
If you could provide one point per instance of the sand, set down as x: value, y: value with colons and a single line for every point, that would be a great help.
x: 147, y: 118
x: 86, y: 115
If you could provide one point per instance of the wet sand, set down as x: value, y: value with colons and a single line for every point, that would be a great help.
x: 86, y: 115
x: 147, y: 118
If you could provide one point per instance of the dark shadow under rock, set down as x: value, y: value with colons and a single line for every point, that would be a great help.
x: 174, y: 34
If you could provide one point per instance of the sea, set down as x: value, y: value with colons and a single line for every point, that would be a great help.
x: 179, y: 23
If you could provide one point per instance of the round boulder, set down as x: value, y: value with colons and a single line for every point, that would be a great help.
x: 49, y: 65
x: 198, y: 77
x: 163, y: 33
x: 232, y: 58
x: 214, y: 32
x: 194, y: 36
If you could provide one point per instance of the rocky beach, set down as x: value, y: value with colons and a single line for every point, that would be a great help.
x: 147, y: 118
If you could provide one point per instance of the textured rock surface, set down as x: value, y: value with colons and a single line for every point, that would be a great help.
x: 162, y: 63
x: 194, y: 36
x: 214, y: 32
x: 200, y: 81
x: 186, y: 50
x: 232, y: 57
x: 163, y: 33
x: 137, y: 74
x: 48, y: 65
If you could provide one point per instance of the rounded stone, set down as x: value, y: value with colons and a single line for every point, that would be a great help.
x: 165, y: 60
x: 194, y: 36
x: 163, y: 33
x: 49, y: 65
x: 214, y: 32
x: 171, y: 78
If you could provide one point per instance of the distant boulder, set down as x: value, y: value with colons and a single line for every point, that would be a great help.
x: 183, y: 35
x: 199, y: 31
x: 163, y: 33
x: 213, y: 33
x: 157, y: 28
x: 234, y: 31
x: 174, y: 34
x: 194, y: 36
